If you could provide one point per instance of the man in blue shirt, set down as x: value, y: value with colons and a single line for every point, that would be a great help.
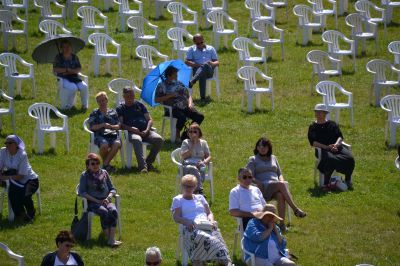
x: 203, y: 59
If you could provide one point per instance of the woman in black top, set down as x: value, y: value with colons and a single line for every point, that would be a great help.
x: 326, y: 134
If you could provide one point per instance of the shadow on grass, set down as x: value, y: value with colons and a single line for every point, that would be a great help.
x: 317, y: 192
x: 70, y: 112
x: 50, y: 151
x: 202, y: 103
x: 224, y: 50
x: 309, y: 44
x: 348, y: 73
x: 5, y: 224
x: 170, y: 146
x: 101, y: 241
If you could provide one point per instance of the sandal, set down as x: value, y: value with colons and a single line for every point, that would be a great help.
x: 114, y: 243
x: 299, y: 213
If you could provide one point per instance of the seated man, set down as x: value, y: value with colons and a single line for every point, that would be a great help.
x: 173, y: 93
x: 203, y: 59
x: 245, y: 199
x: 135, y: 118
x: 104, y: 123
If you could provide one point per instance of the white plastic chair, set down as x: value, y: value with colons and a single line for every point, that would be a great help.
x: 11, y: 215
x: 145, y: 53
x: 211, y: 5
x: 319, y: 60
x: 125, y: 11
x: 178, y: 36
x: 21, y: 4
x: 308, y: 21
x: 388, y: 5
x: 7, y: 21
x: 46, y: 10
x: 214, y: 78
x: 13, y: 64
x: 343, y: 7
x: 100, y: 42
x: 176, y: 9
x: 328, y: 91
x: 41, y: 113
x: 181, y: 247
x: 397, y: 162
x: 217, y: 18
x: 117, y: 85
x: 107, y: 5
x: 394, y: 48
x: 92, y: 214
x: 242, y: 45
x: 279, y: 4
x: 321, y: 180
x: 268, y: 35
x: 137, y: 24
x: 159, y: 6
x: 177, y: 159
x: 385, y: 75
x: 7, y: 111
x: 172, y: 123
x: 364, y: 7
x: 362, y: 29
x: 249, y: 75
x: 391, y: 104
x: 318, y: 7
x: 333, y: 38
x: 89, y: 15
x: 60, y: 95
x: 257, y: 10
x: 52, y: 28
x: 246, y: 252
x: 238, y: 235
x: 70, y: 6
x: 12, y: 255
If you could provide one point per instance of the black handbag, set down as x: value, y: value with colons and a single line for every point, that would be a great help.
x: 79, y: 227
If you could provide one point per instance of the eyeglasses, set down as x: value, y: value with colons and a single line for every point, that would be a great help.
x: 263, y: 144
x: 247, y: 177
x: 198, y: 43
x: 188, y: 186
x: 69, y: 245
x: 94, y: 163
x: 8, y: 142
x: 193, y: 131
x: 152, y: 263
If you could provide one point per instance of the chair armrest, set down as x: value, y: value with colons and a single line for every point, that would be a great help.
x: 140, y: 5
x: 84, y: 77
x: 152, y: 26
x: 101, y: 15
x: 191, y: 11
x: 6, y: 97
x: 334, y: 59
x: 162, y: 55
x: 57, y: 4
x: 346, y: 145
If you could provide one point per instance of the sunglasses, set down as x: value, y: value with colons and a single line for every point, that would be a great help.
x: 247, y: 177
x: 152, y: 263
x: 263, y: 144
x: 193, y: 131
x: 8, y: 142
x: 94, y: 163
x: 198, y: 43
x: 69, y: 245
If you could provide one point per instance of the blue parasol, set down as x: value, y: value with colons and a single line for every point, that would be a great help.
x: 156, y: 76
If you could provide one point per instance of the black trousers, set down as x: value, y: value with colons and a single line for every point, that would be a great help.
x: 342, y: 161
x: 21, y: 198
x: 201, y: 74
x: 183, y: 114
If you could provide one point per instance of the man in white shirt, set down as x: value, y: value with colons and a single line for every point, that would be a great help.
x: 244, y: 199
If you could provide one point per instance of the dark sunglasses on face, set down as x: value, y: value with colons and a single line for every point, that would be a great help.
x: 152, y: 263
x: 247, y: 177
x: 8, y: 142
x: 94, y: 163
x: 69, y: 245
x: 199, y: 43
x: 263, y: 144
x: 193, y: 131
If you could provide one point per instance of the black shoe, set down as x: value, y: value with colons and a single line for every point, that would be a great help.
x: 190, y: 85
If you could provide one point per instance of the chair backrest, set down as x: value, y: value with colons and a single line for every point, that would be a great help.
x: 10, y: 60
x: 176, y: 35
x: 7, y: 98
x: 317, y: 5
x: 136, y: 23
x: 145, y: 52
x: 248, y: 75
x: 7, y: 17
x: 357, y: 22
x: 241, y: 44
x: 317, y: 58
x: 216, y: 18
x: 88, y: 15
x: 363, y: 6
x: 331, y: 37
x: 210, y: 4
x: 45, y: 7
x: 99, y: 41
x: 117, y: 85
x: 175, y: 8
x: 392, y: 104
x: 328, y: 89
x: 265, y: 27
x: 41, y: 112
x: 394, y: 48
x: 380, y: 68
x: 51, y: 27
x: 124, y: 6
x: 176, y: 156
x: 303, y: 13
x: 11, y: 254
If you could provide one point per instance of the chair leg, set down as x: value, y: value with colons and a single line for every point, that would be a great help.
x: 39, y: 201
x: 40, y: 141
x: 53, y: 140
x: 67, y: 141
x: 33, y: 88
x: 392, y: 135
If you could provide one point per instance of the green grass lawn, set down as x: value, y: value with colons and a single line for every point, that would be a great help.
x: 360, y: 226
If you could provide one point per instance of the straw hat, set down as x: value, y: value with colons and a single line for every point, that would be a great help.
x: 260, y: 215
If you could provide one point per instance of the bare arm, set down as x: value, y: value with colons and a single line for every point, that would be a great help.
x: 191, y: 63
x: 239, y: 213
x: 161, y: 99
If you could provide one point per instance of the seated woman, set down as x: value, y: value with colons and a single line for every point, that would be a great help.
x: 245, y: 199
x: 263, y: 238
x: 105, y: 123
x: 269, y: 179
x: 67, y: 66
x: 23, y: 181
x: 326, y: 134
x: 173, y: 93
x: 195, y: 155
x: 192, y: 211
x: 95, y: 185
x: 63, y: 255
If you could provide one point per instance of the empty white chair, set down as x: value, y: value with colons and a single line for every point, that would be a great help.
x: 100, y: 41
x: 362, y: 29
x: 177, y: 159
x: 388, y: 5
x: 92, y: 214
x: 318, y: 8
x: 268, y: 35
x: 159, y: 6
x: 46, y: 12
x: 146, y: 53
x: 211, y: 5
x: 117, y: 85
x: 320, y: 60
x: 21, y: 4
x: 249, y: 75
x: 89, y: 15
x: 333, y: 38
x: 125, y: 11
x: 12, y: 63
x: 137, y: 24
x: 365, y: 7
x: 385, y: 76
x: 52, y: 28
x: 12, y: 255
x: 176, y: 9
x: 308, y: 21
x: 178, y: 36
x: 7, y: 111
x: 41, y: 113
x: 394, y: 48
x: 70, y: 6
x: 7, y: 20
x: 328, y: 91
x: 257, y: 9
x: 278, y: 4
x: 391, y: 104
x: 242, y: 45
x: 217, y: 18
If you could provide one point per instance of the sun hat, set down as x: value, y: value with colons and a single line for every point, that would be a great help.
x: 17, y: 140
x: 260, y: 215
x: 321, y: 107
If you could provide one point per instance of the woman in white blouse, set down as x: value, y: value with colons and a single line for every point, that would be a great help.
x: 202, y: 239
